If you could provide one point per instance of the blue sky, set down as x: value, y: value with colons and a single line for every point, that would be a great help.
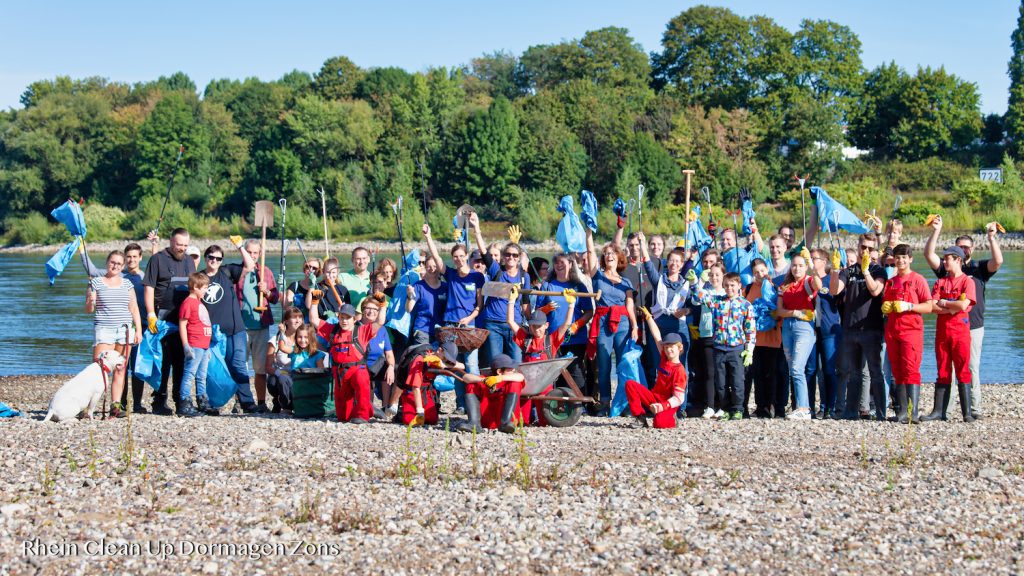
x: 137, y: 41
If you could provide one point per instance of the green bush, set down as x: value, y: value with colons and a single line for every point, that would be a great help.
x: 538, y: 216
x: 33, y: 228
x: 928, y: 174
x: 915, y: 212
x: 103, y: 222
x: 972, y: 191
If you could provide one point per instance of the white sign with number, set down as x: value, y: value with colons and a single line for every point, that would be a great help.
x: 991, y: 174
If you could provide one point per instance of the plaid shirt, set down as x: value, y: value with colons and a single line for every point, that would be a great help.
x: 733, y: 319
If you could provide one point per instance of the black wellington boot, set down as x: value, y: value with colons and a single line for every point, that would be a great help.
x: 941, y: 403
x: 901, y: 399
x: 472, y: 424
x: 915, y: 400
x: 507, y: 412
x: 965, y: 401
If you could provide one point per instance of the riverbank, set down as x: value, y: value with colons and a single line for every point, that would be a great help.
x: 707, y: 497
x: 1010, y: 241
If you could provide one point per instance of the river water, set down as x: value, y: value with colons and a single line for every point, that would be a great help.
x: 45, y: 330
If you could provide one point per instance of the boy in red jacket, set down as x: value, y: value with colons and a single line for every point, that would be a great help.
x: 905, y: 298
x: 492, y: 401
x: 669, y: 390
x: 954, y: 296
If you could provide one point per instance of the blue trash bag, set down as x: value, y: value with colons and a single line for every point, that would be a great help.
x: 627, y: 368
x: 443, y: 383
x: 588, y: 210
x: 8, y: 412
x: 220, y: 386
x: 765, y: 305
x: 150, y: 354
x: 570, y: 235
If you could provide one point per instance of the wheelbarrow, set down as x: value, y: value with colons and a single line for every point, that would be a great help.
x: 563, y: 406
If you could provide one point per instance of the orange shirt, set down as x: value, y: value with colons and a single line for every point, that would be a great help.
x: 767, y: 338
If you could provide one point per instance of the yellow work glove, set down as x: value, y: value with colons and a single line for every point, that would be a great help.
x: 691, y: 276
x: 837, y: 260
x: 806, y: 315
x: 901, y: 306
x: 151, y: 322
x: 81, y: 246
x: 887, y: 307
x: 432, y: 360
x: 570, y: 297
x: 513, y: 293
x: 514, y: 233
x: 457, y: 235
x: 747, y: 356
x: 806, y: 254
x: 492, y: 381
x: 316, y: 296
x: 236, y: 240
x: 645, y: 313
x: 865, y: 261
x: 963, y: 296
x: 694, y: 332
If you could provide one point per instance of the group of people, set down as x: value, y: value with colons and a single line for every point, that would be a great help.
x: 814, y: 333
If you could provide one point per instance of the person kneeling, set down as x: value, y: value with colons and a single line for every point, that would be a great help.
x: 669, y: 390
x: 347, y: 349
x: 418, y: 402
x: 493, y: 401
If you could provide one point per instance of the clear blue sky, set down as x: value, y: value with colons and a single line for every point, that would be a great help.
x: 136, y: 41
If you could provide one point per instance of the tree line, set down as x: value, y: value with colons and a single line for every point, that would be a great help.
x: 742, y: 100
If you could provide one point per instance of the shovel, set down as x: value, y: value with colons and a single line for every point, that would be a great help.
x: 494, y: 289
x: 263, y: 217
x: 462, y: 220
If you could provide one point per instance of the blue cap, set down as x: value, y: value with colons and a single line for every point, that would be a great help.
x: 502, y: 361
x: 347, y: 310
x: 450, y: 351
x: 955, y: 251
x: 538, y: 318
x: 672, y: 338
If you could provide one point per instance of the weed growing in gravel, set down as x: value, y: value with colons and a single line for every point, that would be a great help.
x: 92, y: 455
x: 72, y: 463
x: 309, y: 510
x: 346, y: 520
x: 675, y: 544
x: 316, y: 470
x: 243, y: 464
x: 48, y: 480
x: 127, y: 449
x: 408, y: 467
x: 522, y: 474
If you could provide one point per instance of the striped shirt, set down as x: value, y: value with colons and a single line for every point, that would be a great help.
x: 112, y: 303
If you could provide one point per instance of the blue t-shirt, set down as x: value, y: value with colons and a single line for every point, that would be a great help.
x: 827, y: 313
x: 557, y: 316
x: 461, y: 293
x: 429, y: 309
x: 495, y: 308
x: 612, y: 294
x: 305, y: 360
x: 379, y: 344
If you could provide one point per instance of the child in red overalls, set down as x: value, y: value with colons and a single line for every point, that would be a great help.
x: 418, y: 404
x: 669, y: 390
x: 905, y: 298
x: 491, y: 401
x: 954, y: 295
x: 347, y: 345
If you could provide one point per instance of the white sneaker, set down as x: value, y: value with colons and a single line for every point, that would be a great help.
x: 719, y: 415
x: 708, y: 414
x: 799, y: 415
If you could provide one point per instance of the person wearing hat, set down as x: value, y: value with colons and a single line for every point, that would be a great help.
x: 904, y: 299
x: 347, y: 346
x: 669, y: 389
x: 418, y: 397
x: 194, y: 253
x: 493, y: 402
x: 954, y: 294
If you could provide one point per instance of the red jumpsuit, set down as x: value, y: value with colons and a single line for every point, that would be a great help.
x: 535, y: 350
x: 423, y: 379
x: 953, y: 331
x: 352, y: 395
x: 904, y: 331
x: 492, y: 402
x: 668, y: 390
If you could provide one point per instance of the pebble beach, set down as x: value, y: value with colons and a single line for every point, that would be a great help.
x: 277, y: 495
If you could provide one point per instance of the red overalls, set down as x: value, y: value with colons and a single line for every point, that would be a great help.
x: 904, y: 331
x: 671, y: 383
x: 953, y: 331
x: 352, y: 395
x: 419, y: 377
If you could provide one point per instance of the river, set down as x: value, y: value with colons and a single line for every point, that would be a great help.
x: 45, y: 330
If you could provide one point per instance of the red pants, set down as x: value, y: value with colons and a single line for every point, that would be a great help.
x: 953, y: 348
x: 526, y: 405
x: 639, y: 398
x: 493, y: 401
x: 905, y: 352
x: 409, y: 406
x: 352, y: 396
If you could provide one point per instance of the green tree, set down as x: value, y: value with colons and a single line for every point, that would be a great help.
x: 338, y: 78
x: 656, y: 170
x: 941, y: 114
x: 828, y: 62
x: 879, y: 110
x: 1015, y: 109
x: 496, y: 74
x: 481, y: 161
x: 327, y: 132
x: 553, y: 160
x: 173, y: 122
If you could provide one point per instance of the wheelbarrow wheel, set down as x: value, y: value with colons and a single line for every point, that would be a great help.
x: 561, y: 414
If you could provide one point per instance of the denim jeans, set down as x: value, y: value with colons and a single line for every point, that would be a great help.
x: 472, y: 362
x: 798, y: 344
x: 235, y: 349
x: 195, y: 371
x: 500, y: 340
x: 828, y: 345
x: 606, y: 344
x: 860, y: 348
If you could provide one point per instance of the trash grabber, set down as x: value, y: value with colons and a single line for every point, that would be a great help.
x: 640, y: 226
x: 397, y: 209
x: 323, y: 210
x: 284, y: 252
x: 127, y: 375
x: 736, y: 235
x: 803, y: 207
x: 263, y: 216
x: 167, y: 196
x: 312, y: 283
x: 895, y: 207
x: 686, y: 215
x: 630, y: 208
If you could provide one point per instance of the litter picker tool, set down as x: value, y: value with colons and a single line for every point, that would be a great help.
x: 312, y: 282
x: 686, y: 215
x: 283, y: 203
x: 263, y: 217
x: 462, y: 220
x: 397, y: 209
x: 803, y: 207
x: 712, y: 227
x: 493, y: 289
x: 640, y: 222
x: 167, y: 196
x: 630, y: 208
x: 323, y: 210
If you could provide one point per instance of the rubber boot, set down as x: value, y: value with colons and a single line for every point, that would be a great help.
x: 940, y: 405
x: 915, y: 400
x: 507, y: 412
x: 965, y: 401
x: 901, y: 398
x: 472, y: 422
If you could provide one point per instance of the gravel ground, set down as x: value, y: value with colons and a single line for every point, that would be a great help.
x: 272, y: 494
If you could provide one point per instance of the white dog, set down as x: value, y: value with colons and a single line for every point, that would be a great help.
x: 84, y: 391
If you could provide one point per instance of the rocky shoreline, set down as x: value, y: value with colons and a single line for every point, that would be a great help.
x: 272, y: 494
x: 1010, y: 241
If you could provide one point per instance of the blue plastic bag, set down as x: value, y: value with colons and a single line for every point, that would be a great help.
x: 570, y: 235
x: 765, y: 305
x: 748, y: 217
x: 588, y: 210
x: 627, y: 368
x: 220, y: 386
x: 150, y: 355
x: 397, y: 317
x: 56, y: 264
x: 444, y: 383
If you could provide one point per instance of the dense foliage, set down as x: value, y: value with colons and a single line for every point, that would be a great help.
x: 743, y: 101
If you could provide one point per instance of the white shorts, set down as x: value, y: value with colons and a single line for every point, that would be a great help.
x: 107, y: 335
x: 258, y: 349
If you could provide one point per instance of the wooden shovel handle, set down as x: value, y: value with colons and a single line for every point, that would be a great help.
x: 554, y: 293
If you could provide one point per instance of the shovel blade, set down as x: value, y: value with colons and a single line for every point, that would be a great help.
x: 263, y: 214
x: 462, y: 215
x: 494, y: 289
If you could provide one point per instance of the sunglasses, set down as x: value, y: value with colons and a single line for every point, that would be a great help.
x: 867, y: 247
x: 215, y: 258
x: 512, y: 254
x: 312, y: 268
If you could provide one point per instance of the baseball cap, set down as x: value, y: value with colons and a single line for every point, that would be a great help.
x: 192, y: 250
x: 672, y: 338
x: 450, y: 351
x: 955, y: 251
x: 502, y: 361
x: 475, y: 255
x: 347, y: 310
x: 538, y: 318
